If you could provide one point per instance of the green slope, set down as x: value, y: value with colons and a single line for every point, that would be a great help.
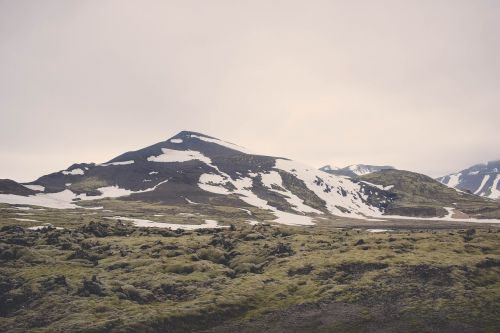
x: 420, y: 195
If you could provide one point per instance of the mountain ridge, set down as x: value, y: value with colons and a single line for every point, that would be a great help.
x: 194, y: 168
x: 481, y: 179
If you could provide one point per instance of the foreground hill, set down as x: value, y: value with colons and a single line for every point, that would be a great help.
x: 419, y: 195
x: 480, y: 179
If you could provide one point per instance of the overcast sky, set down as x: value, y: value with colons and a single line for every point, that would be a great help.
x: 414, y: 84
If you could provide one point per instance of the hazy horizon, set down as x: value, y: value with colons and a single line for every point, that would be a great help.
x: 414, y: 85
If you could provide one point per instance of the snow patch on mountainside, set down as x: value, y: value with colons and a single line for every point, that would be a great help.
x: 242, y: 187
x: 335, y: 191
x: 249, y: 212
x: 291, y: 219
x: 213, y: 183
x: 483, y: 182
x: 38, y: 188
x: 359, y: 169
x: 343, y: 197
x: 73, y: 172
x: 179, y: 156
x: 191, y: 202
x: 274, y: 178
x: 222, y: 143
x: 107, y: 192
x: 495, y: 193
x: 116, y: 192
x: 329, y: 168
x: 453, y: 180
x: 208, y: 224
x: 118, y: 163
x: 66, y: 199
x: 381, y: 187
x: 60, y: 200
x: 171, y: 155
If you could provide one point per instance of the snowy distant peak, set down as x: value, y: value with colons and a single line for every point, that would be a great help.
x: 328, y: 167
x: 364, y: 169
x: 355, y: 170
x: 78, y: 169
x: 480, y: 179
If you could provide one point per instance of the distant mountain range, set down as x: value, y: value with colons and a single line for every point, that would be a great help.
x: 192, y: 168
x: 355, y: 170
x: 480, y: 179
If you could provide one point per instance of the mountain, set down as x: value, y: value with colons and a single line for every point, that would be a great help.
x: 329, y: 168
x: 421, y: 196
x: 480, y: 179
x: 193, y: 168
x: 354, y: 170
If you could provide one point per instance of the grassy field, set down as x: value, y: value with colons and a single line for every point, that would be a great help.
x: 102, y: 275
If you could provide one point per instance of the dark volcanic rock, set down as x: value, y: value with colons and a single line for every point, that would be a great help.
x: 91, y: 287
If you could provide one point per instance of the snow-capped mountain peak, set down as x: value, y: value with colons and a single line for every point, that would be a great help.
x: 329, y: 167
x: 193, y: 167
x: 480, y: 179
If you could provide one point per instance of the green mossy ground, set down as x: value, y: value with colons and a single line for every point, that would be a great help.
x: 100, y: 275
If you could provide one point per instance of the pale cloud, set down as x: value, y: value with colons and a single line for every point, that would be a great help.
x: 409, y: 83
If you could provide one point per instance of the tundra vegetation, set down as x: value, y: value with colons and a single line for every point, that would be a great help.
x: 103, y: 275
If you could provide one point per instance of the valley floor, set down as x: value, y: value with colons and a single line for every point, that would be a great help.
x: 105, y: 275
